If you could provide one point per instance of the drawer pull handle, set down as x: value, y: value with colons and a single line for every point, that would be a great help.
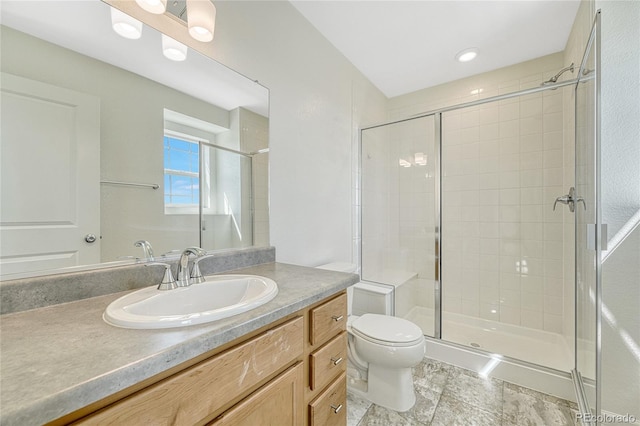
x: 336, y: 361
x: 336, y: 409
x: 337, y: 318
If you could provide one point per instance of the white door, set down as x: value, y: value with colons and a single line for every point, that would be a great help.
x: 50, y: 172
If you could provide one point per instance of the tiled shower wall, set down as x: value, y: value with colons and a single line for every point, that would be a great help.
x: 502, y: 170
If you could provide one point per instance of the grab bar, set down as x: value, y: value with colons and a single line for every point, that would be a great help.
x: 144, y: 185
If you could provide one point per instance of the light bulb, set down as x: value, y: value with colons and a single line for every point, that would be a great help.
x: 125, y: 25
x: 201, y: 19
x: 173, y: 49
x: 153, y: 6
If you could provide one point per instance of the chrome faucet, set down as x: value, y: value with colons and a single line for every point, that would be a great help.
x: 183, y: 277
x: 146, y: 248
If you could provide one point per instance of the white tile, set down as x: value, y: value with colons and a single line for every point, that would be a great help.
x: 532, y: 319
x: 510, y: 196
x: 532, y: 284
x: 509, y: 129
x: 553, y: 323
x: 489, y: 181
x: 552, y: 122
x: 510, y: 163
x: 509, y: 145
x: 510, y: 111
x: 489, y: 230
x: 531, y: 160
x: 469, y: 118
x: 553, y: 177
x: 531, y: 178
x: 532, y: 231
x: 553, y: 231
x: 553, y: 268
x: 552, y: 140
x: 553, y: 305
x: 532, y: 213
x: 490, y: 311
x: 510, y: 265
x: 531, y: 195
x: 510, y: 214
x: 531, y: 107
x: 489, y: 197
x: 490, y: 115
x: 510, y: 230
x: 553, y: 286
x: 489, y: 262
x: 469, y: 135
x: 488, y: 132
x: 531, y: 143
x: 489, y: 246
x: 552, y: 158
x: 489, y: 294
x: 553, y: 250
x: 488, y: 213
x: 471, y: 308
x: 532, y: 248
x: 510, y: 179
x: 532, y: 301
x: 489, y: 149
x: 552, y: 104
x: 531, y: 125
x: 510, y: 315
x: 510, y: 298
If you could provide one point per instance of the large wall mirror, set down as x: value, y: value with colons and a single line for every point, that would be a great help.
x: 106, y: 142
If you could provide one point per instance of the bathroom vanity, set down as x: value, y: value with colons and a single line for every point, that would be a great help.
x: 282, y: 363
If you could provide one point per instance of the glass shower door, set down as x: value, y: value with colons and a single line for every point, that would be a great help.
x: 589, y: 235
x: 398, y: 181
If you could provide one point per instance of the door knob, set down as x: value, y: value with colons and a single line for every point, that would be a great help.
x: 90, y: 238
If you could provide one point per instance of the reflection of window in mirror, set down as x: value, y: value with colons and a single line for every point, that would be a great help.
x: 181, y: 172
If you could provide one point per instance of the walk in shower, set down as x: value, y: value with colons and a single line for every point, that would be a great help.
x: 483, y: 218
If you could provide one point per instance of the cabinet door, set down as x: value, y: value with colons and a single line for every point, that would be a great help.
x: 278, y: 403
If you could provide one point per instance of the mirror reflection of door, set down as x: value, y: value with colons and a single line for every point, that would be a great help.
x: 50, y: 198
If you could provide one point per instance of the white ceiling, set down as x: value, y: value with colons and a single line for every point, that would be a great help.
x: 404, y: 46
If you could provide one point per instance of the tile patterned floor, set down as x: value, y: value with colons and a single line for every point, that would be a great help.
x: 447, y: 395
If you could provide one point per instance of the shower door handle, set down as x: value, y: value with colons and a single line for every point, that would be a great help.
x: 570, y: 200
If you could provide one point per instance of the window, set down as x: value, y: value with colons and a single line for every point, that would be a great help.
x: 181, y: 172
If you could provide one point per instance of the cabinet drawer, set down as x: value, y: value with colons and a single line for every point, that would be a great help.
x: 195, y: 394
x: 276, y: 403
x: 328, y: 319
x: 330, y: 408
x: 328, y: 361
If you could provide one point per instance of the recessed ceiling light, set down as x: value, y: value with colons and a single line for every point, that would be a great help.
x: 467, y: 55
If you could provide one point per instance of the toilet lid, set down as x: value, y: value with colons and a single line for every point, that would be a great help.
x: 387, y: 329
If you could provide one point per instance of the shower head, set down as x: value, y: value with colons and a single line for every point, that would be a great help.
x: 555, y: 78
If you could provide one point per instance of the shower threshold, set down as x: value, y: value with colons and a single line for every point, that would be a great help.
x: 534, y: 346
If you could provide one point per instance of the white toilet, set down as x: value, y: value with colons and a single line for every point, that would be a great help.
x: 382, y: 348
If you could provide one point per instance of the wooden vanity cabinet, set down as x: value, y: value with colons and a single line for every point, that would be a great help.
x: 291, y: 372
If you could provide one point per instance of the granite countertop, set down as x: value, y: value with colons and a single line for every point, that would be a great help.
x: 57, y: 359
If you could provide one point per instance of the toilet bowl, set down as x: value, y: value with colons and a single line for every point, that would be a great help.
x: 382, y: 350
x: 390, y: 347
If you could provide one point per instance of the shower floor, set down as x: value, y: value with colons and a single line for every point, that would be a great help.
x: 526, y: 344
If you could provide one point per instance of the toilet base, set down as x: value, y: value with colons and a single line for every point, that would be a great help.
x: 386, y: 387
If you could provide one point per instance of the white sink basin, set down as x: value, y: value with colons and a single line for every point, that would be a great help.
x: 220, y: 296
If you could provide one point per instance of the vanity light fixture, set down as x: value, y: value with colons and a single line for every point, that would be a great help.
x: 467, y: 55
x: 201, y: 19
x: 125, y: 25
x: 153, y: 6
x: 173, y: 49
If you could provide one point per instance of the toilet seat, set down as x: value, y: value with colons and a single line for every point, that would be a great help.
x: 387, y: 330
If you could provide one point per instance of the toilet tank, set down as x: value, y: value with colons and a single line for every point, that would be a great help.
x: 363, y: 297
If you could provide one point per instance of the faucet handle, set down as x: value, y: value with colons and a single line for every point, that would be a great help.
x: 196, y: 275
x: 168, y: 282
